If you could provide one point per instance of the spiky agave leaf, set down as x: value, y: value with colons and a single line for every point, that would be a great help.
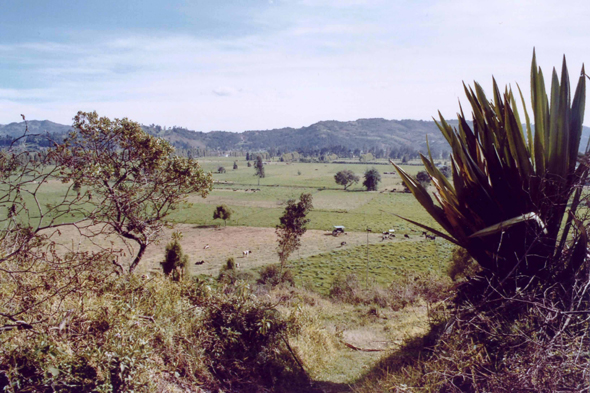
x: 510, y: 183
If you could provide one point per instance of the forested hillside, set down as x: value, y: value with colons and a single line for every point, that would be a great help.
x: 330, y: 136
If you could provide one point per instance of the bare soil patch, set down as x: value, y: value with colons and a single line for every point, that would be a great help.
x: 226, y: 242
x: 223, y: 242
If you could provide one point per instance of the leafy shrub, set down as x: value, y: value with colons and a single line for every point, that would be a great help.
x: 127, y: 333
x: 271, y: 275
x: 175, y: 261
x: 246, y: 337
x: 229, y: 273
x: 462, y: 265
x: 403, y: 291
x: 346, y: 289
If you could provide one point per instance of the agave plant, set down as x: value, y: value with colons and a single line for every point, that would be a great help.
x: 515, y: 187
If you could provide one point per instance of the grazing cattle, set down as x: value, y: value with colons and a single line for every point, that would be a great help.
x: 384, y: 237
x: 246, y: 253
x: 199, y: 262
x: 206, y: 247
x: 342, y: 244
x: 407, y: 236
x: 431, y: 237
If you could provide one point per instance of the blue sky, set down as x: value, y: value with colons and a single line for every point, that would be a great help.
x: 260, y: 64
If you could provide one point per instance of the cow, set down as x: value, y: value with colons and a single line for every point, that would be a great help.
x: 199, y: 262
x: 342, y: 244
x: 246, y: 253
x: 406, y: 236
x: 206, y: 247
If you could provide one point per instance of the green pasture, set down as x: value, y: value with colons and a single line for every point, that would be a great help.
x: 386, y: 261
x: 354, y: 208
x: 312, y: 175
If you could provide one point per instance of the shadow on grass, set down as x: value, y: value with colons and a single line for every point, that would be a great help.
x: 329, y: 387
x: 405, y: 360
x: 205, y: 226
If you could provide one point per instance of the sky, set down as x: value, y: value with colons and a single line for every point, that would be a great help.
x: 239, y: 65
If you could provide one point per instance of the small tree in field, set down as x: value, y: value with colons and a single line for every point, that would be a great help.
x: 222, y: 212
x: 423, y: 178
x: 346, y: 178
x: 259, y: 168
x: 372, y: 179
x: 175, y: 261
x: 292, y: 227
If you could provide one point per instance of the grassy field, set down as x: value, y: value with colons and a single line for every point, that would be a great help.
x: 261, y: 206
x: 355, y: 208
x: 385, y: 261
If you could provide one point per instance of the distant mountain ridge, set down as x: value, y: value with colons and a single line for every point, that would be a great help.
x: 35, y: 127
x: 361, y: 134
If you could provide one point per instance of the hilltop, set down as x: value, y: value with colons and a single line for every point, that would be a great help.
x: 359, y: 134
x: 362, y: 134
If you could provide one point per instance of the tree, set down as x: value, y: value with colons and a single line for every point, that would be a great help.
x: 292, y: 226
x: 516, y: 190
x: 423, y: 178
x: 132, y: 180
x: 175, y: 261
x: 346, y: 178
x: 259, y: 168
x: 366, y: 157
x: 372, y: 179
x: 446, y: 171
x: 222, y: 212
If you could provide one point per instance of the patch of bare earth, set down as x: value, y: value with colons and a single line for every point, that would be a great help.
x: 226, y: 242
x: 223, y: 243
